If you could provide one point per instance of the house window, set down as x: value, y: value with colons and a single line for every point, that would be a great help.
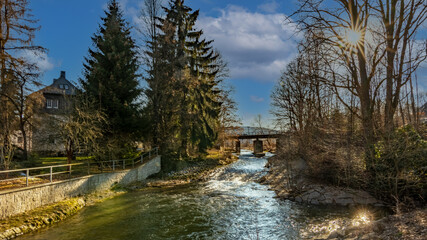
x: 49, y: 103
x: 66, y: 86
x: 55, y: 103
x: 61, y: 86
x: 52, y: 103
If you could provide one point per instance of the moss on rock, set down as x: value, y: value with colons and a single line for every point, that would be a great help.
x: 38, y: 218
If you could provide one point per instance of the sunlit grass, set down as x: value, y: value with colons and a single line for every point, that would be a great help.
x: 47, y: 161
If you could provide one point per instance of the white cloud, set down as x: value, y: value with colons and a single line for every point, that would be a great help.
x: 269, y: 7
x: 257, y: 99
x: 43, y: 62
x: 257, y: 46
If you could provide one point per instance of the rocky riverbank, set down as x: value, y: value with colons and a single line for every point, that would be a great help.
x: 408, y: 226
x: 196, y: 171
x: 287, y: 180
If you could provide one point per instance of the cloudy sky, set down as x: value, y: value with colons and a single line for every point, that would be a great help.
x: 250, y: 34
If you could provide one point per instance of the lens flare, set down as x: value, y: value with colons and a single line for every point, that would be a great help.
x: 363, y: 217
x: 353, y: 37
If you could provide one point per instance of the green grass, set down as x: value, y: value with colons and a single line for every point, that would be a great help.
x: 40, y: 161
x: 47, y: 161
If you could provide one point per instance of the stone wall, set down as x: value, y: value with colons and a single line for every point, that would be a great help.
x: 17, y: 201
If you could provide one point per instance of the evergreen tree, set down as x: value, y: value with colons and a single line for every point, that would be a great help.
x: 110, y: 75
x: 150, y: 14
x: 184, y: 65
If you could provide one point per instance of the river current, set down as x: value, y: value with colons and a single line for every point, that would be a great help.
x: 231, y: 205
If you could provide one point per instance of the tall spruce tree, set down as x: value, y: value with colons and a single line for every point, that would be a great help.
x: 150, y: 14
x: 184, y: 65
x: 110, y: 75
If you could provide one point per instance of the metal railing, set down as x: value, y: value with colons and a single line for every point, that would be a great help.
x: 80, y: 169
x: 26, y: 172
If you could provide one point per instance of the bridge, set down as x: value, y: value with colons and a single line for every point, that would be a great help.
x: 257, y: 134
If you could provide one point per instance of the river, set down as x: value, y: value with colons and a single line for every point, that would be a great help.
x: 231, y: 205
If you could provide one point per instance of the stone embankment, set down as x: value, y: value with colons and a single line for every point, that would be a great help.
x: 16, y: 201
x: 289, y: 182
x: 39, y: 218
x: 31, y: 208
x: 47, y: 215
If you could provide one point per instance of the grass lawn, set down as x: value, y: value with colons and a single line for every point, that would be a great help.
x: 47, y: 161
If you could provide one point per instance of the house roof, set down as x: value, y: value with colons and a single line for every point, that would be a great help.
x: 60, y: 86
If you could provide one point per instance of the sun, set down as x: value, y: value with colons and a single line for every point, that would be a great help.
x: 352, y: 40
x: 353, y: 37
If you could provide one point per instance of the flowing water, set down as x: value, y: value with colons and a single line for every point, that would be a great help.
x: 229, y: 206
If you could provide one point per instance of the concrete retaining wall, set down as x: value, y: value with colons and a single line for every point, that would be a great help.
x: 21, y: 200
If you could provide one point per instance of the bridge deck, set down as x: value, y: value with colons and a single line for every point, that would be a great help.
x: 255, y: 136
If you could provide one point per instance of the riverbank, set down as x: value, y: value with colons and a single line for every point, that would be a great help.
x: 48, y: 215
x: 286, y: 178
x: 192, y: 171
x: 407, y: 226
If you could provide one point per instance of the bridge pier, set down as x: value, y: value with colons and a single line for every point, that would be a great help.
x: 258, y: 147
x: 279, y: 144
x: 237, y: 146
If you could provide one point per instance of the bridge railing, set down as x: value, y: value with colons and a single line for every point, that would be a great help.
x: 25, y: 177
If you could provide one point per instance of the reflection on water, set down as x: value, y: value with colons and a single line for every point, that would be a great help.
x: 229, y: 206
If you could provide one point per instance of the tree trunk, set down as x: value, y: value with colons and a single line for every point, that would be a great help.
x: 69, y: 150
x: 389, y: 111
x: 367, y: 112
x: 24, y: 138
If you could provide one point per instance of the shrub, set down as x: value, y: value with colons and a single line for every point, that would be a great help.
x: 400, y: 166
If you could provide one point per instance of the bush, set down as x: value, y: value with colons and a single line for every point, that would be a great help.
x: 400, y: 166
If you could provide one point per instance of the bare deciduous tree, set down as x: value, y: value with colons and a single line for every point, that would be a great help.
x: 16, y: 36
x: 81, y: 128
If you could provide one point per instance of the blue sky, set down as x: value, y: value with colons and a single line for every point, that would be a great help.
x: 249, y: 33
x: 256, y: 52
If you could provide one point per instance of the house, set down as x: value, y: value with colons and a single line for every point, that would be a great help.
x: 58, y: 95
x: 56, y: 100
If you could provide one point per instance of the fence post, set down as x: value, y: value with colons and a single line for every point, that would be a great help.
x: 70, y: 171
x: 28, y: 173
x: 133, y: 163
x: 113, y: 166
x: 124, y: 166
x: 51, y: 170
x: 88, y: 168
